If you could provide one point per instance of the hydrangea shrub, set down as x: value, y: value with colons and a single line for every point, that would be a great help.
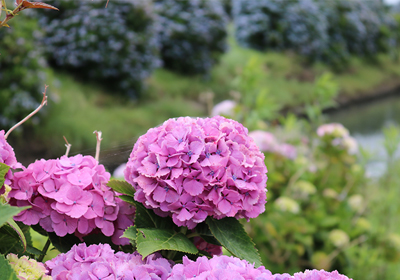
x: 7, y: 156
x: 23, y: 71
x: 194, y: 168
x: 116, y: 46
x: 192, y: 34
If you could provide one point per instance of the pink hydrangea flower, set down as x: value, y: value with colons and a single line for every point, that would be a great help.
x: 70, y: 196
x: 320, y: 275
x: 226, y: 108
x: 7, y: 156
x: 219, y: 267
x: 267, y: 142
x: 193, y: 168
x: 338, y: 136
x: 100, y: 262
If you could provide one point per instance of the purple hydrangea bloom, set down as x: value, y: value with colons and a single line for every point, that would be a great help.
x: 319, y: 275
x: 7, y: 156
x: 70, y: 196
x: 100, y: 262
x: 219, y: 267
x: 191, y: 168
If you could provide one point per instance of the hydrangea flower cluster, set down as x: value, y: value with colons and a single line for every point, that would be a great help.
x: 267, y: 142
x: 319, y: 274
x: 193, y: 168
x: 100, y: 262
x: 70, y: 196
x: 218, y: 267
x: 338, y: 136
x: 27, y: 269
x: 7, y: 156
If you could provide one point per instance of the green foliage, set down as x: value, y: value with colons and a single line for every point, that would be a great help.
x: 3, y: 171
x: 7, y: 212
x: 121, y: 187
x: 7, y: 273
x: 22, y: 73
x: 14, y: 238
x: 150, y: 240
x: 230, y: 233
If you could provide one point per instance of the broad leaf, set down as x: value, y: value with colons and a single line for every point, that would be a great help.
x: 18, y: 230
x: 128, y: 199
x: 146, y: 218
x: 7, y: 212
x: 231, y: 234
x: 7, y: 273
x: 3, y: 170
x: 204, y: 231
x: 150, y: 240
x: 122, y: 187
x: 63, y: 244
x: 131, y: 234
x: 10, y: 240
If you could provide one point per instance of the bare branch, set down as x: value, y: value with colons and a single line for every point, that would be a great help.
x: 98, y: 137
x: 68, y: 145
x: 44, y: 102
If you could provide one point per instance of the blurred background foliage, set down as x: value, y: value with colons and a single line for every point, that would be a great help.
x: 281, y: 63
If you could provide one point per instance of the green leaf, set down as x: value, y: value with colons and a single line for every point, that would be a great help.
x: 121, y: 187
x: 18, y: 230
x: 146, y: 218
x: 63, y: 244
x: 204, y: 231
x: 10, y: 241
x: 7, y: 212
x: 127, y: 198
x: 7, y: 273
x: 131, y: 234
x: 231, y: 234
x: 150, y: 240
x: 3, y: 171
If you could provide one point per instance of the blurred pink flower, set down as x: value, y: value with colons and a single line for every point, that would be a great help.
x: 224, y: 108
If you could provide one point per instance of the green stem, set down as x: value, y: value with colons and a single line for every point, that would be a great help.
x: 44, y: 251
x: 193, y: 234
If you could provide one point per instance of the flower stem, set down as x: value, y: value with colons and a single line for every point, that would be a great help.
x: 44, y: 251
x: 44, y: 102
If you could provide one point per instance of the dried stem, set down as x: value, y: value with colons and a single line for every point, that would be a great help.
x: 44, y: 102
x: 107, y: 3
x: 68, y: 145
x: 98, y: 137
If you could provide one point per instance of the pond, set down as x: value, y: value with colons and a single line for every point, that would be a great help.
x: 365, y: 122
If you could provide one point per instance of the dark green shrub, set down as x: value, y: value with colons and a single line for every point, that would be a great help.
x: 192, y: 34
x: 22, y: 76
x: 116, y: 46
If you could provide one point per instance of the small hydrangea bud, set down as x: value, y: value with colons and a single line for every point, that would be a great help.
x: 339, y: 238
x: 286, y: 204
x: 27, y: 269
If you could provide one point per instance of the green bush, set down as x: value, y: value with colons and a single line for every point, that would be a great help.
x: 22, y: 75
x: 116, y: 46
x: 192, y: 34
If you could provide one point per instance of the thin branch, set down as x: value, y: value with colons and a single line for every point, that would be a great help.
x: 11, y: 14
x: 98, y: 137
x: 107, y: 3
x: 44, y: 102
x: 68, y: 145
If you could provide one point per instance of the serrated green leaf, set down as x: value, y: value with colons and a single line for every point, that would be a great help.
x: 146, y: 218
x: 127, y: 198
x: 7, y: 212
x: 131, y: 234
x: 121, y: 187
x: 19, y: 232
x: 10, y: 241
x: 7, y: 273
x: 63, y: 244
x: 3, y: 171
x: 204, y: 231
x: 33, y: 250
x: 231, y: 234
x: 150, y: 240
